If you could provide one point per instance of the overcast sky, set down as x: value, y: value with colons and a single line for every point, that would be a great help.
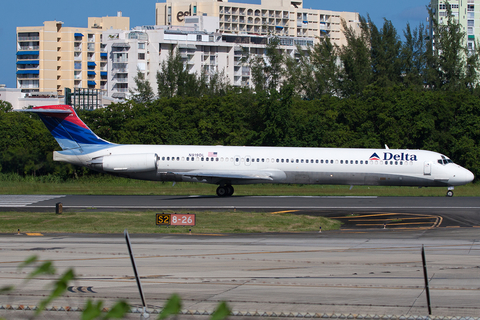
x: 75, y: 14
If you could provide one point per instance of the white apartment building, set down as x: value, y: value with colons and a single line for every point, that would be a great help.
x: 145, y: 48
x: 467, y: 13
x: 283, y: 18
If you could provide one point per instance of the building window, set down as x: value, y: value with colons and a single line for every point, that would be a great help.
x: 141, y: 56
x: 141, y: 45
x: 78, y: 65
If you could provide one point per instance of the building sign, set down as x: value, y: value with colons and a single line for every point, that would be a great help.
x: 181, y: 14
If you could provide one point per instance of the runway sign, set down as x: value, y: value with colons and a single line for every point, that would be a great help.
x: 167, y: 219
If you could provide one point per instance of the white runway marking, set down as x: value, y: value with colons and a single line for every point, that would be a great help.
x: 24, y: 200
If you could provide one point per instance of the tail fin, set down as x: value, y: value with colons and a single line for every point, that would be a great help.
x: 67, y: 128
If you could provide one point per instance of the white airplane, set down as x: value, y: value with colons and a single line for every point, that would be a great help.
x: 228, y: 166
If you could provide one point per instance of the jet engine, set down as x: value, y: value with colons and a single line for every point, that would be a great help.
x: 126, y: 163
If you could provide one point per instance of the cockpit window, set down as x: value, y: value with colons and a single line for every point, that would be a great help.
x: 444, y: 160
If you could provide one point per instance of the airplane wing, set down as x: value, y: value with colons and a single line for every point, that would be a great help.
x: 270, y: 175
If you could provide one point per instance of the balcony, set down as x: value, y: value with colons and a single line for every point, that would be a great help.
x: 29, y: 48
x: 33, y: 38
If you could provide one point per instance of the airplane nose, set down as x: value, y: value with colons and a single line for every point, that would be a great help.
x: 468, y: 176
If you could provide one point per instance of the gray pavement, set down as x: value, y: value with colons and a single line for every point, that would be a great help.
x: 360, y: 270
x: 344, y: 273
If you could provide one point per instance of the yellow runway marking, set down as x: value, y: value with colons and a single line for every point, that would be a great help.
x: 286, y: 211
x: 37, y: 234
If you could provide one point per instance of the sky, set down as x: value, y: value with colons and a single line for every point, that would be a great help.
x: 27, y: 13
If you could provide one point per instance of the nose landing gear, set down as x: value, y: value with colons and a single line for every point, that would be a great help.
x: 450, y: 192
x: 225, y: 191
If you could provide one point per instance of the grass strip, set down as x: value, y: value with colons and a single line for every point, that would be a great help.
x: 207, y: 222
x: 120, y: 186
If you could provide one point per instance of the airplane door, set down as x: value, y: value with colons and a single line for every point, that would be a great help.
x: 247, y: 160
x: 237, y: 160
x: 427, y: 168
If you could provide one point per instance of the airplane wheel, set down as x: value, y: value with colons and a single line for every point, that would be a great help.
x: 449, y: 193
x: 222, y: 191
x: 230, y: 190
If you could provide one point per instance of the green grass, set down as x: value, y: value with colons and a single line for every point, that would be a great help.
x: 207, y: 222
x: 107, y: 185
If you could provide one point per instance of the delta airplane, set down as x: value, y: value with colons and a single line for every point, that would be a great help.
x: 227, y: 166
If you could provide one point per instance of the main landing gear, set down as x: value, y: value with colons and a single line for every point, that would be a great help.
x: 450, y: 192
x: 225, y: 191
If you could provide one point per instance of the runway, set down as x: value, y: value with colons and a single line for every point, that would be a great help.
x: 356, y: 271
x: 436, y: 211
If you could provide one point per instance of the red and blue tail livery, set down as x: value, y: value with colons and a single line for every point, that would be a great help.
x: 67, y: 128
x: 229, y: 165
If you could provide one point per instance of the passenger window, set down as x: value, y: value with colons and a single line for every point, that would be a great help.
x: 263, y: 160
x: 168, y: 158
x: 188, y: 158
x: 247, y: 159
x: 301, y: 161
x: 178, y: 158
x: 163, y: 158
x: 316, y: 161
x: 396, y: 163
x: 237, y: 159
x: 183, y: 158
x: 366, y: 162
x: 351, y: 161
x: 321, y: 161
x: 193, y: 158
x: 356, y: 161
x: 202, y: 159
x: 361, y: 161
x: 341, y: 161
x: 258, y: 160
x: 296, y: 161
x: 306, y: 161
x: 216, y: 159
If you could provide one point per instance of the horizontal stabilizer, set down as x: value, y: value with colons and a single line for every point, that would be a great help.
x: 50, y: 111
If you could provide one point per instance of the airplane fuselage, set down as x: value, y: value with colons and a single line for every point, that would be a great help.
x: 392, y: 167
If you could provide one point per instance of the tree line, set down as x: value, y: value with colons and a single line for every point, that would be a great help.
x: 376, y: 90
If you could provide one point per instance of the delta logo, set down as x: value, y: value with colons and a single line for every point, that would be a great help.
x: 374, y: 156
x: 394, y: 156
